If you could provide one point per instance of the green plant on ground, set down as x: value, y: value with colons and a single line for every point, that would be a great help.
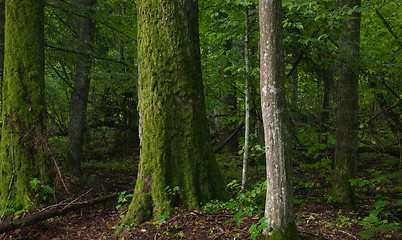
x: 256, y: 229
x: 12, y: 209
x: 123, y: 197
x: 379, y: 220
x: 43, y: 191
x: 169, y: 195
x: 377, y: 179
x: 243, y: 204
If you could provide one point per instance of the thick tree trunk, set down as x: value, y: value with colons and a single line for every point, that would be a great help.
x: 279, y: 199
x: 23, y: 113
x: 2, y: 22
x: 79, y: 97
x: 347, y: 114
x: 175, y: 143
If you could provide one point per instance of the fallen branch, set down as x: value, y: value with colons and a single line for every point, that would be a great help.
x: 236, y: 130
x: 391, y: 150
x: 58, y: 211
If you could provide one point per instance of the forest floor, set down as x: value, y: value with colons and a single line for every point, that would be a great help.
x: 316, y: 218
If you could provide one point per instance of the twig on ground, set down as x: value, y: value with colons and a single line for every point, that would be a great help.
x: 349, y: 234
x: 167, y: 224
x: 76, y: 199
x: 32, y: 203
x: 314, y: 234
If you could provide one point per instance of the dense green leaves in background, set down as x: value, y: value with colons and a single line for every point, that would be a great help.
x: 311, y: 46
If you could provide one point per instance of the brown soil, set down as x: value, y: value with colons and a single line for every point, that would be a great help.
x: 315, y: 220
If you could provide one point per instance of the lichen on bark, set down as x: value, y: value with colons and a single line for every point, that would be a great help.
x: 21, y: 158
x: 175, y: 143
x: 279, y: 209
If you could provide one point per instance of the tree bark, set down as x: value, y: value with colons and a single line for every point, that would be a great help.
x: 175, y: 142
x: 247, y: 102
x: 228, y: 106
x: 23, y: 115
x: 347, y: 113
x: 279, y: 198
x: 79, y: 97
x: 326, y: 74
x: 2, y: 23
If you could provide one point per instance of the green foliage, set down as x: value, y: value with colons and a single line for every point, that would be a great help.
x: 123, y: 197
x: 378, y: 221
x: 243, y: 204
x: 377, y: 179
x: 256, y: 152
x: 316, y: 144
x: 256, y: 229
x: 169, y: 194
x: 380, y: 218
x: 44, y: 191
x: 13, y: 208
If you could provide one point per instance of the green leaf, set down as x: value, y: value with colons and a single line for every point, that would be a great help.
x: 35, y: 184
x: 380, y: 204
x: 366, y: 234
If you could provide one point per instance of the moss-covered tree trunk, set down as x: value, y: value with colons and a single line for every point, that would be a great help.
x: 347, y: 113
x: 279, y: 199
x: 2, y: 22
x: 79, y: 97
x: 21, y: 159
x: 175, y: 143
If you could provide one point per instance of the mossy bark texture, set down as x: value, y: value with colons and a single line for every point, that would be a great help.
x: 175, y: 143
x: 279, y: 199
x: 347, y: 114
x: 2, y: 23
x: 21, y: 158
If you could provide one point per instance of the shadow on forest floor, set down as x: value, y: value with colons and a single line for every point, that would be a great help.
x: 315, y: 217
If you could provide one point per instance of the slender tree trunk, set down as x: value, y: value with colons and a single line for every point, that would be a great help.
x: 79, y: 97
x: 347, y: 114
x: 228, y: 108
x: 328, y: 78
x: 23, y: 114
x: 175, y: 143
x: 130, y: 114
x: 294, y: 94
x: 279, y: 199
x: 247, y: 102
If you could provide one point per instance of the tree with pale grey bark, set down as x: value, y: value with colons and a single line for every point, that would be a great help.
x: 279, y: 210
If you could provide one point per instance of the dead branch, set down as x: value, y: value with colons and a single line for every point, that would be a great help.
x: 54, y: 160
x: 391, y: 150
x: 235, y: 131
x: 58, y: 211
x: 385, y: 110
x: 386, y: 24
